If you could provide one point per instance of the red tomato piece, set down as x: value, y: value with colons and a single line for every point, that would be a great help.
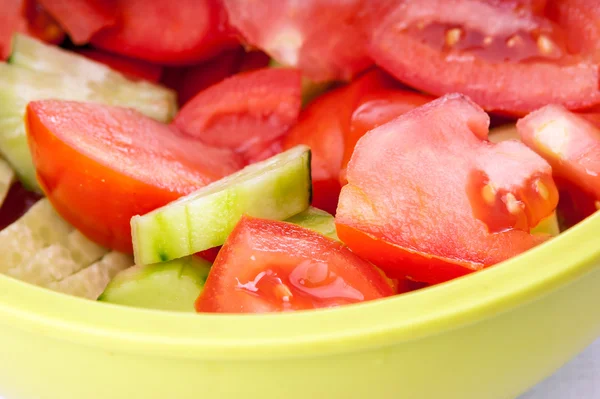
x: 244, y: 111
x: 101, y: 165
x: 161, y: 31
x: 581, y: 20
x: 575, y: 204
x: 272, y: 266
x: 82, y: 18
x: 320, y: 37
x: 570, y: 143
x: 11, y: 20
x: 410, y: 208
x: 132, y: 68
x: 514, y: 65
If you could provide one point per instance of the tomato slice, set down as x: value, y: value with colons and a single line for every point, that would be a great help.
x: 410, y: 205
x: 321, y: 38
x: 571, y: 144
x: 132, y: 68
x: 581, y: 20
x: 272, y: 266
x: 159, y: 31
x: 514, y: 65
x: 244, y: 111
x: 101, y: 165
x: 82, y: 18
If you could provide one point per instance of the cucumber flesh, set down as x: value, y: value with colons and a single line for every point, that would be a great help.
x: 90, y: 282
x: 276, y: 188
x: 58, y: 261
x: 317, y: 220
x: 7, y: 177
x: 40, y: 227
x: 548, y: 226
x: 153, y: 100
x: 173, y: 285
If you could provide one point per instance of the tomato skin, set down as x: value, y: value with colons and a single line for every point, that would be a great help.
x: 99, y: 165
x: 157, y: 31
x: 132, y: 68
x: 272, y: 266
x: 82, y: 18
x: 572, y: 82
x: 404, y: 211
x: 244, y: 111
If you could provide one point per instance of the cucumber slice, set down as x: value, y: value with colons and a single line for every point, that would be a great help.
x: 173, y: 285
x: 7, y: 176
x: 317, y: 220
x: 40, y: 227
x: 276, y: 188
x: 92, y: 281
x: 58, y: 261
x: 155, y: 101
x: 548, y: 226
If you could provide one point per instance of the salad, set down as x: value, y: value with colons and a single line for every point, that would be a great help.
x: 249, y: 157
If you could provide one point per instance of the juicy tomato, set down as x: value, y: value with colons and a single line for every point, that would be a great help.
x: 272, y: 266
x: 320, y: 37
x: 17, y: 202
x: 571, y: 144
x: 101, y: 165
x: 581, y: 20
x: 25, y: 16
x: 159, y: 31
x: 132, y: 68
x: 244, y: 111
x: 82, y: 18
x: 459, y: 213
x: 514, y: 65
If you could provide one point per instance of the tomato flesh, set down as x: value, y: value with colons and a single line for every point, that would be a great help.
x: 571, y: 144
x: 245, y: 111
x: 515, y: 65
x: 272, y: 266
x: 132, y: 68
x: 82, y: 18
x: 159, y: 31
x: 100, y: 165
x: 426, y: 223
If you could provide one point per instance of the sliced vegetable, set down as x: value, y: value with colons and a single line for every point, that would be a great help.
x: 430, y: 224
x: 7, y: 177
x: 158, y: 31
x: 111, y: 86
x: 17, y: 202
x: 514, y: 65
x: 571, y: 144
x: 276, y: 188
x: 58, y: 261
x: 90, y: 282
x: 133, y: 69
x: 317, y: 220
x: 173, y: 285
x: 40, y: 227
x: 269, y: 266
x: 100, y: 165
x: 82, y: 18
x: 244, y: 111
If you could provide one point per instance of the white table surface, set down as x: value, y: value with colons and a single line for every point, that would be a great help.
x: 578, y: 379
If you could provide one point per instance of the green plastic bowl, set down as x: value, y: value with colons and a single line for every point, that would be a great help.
x: 490, y: 335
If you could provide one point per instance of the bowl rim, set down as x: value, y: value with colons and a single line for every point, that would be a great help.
x: 363, y: 326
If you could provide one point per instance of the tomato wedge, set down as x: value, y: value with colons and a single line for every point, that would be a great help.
x: 272, y: 266
x: 82, y: 18
x: 321, y: 38
x: 581, y: 20
x: 426, y: 199
x: 132, y: 68
x: 571, y: 144
x: 163, y: 32
x: 244, y: 111
x: 514, y: 65
x: 100, y: 165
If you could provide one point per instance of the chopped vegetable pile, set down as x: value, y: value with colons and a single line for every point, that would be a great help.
x: 270, y: 156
